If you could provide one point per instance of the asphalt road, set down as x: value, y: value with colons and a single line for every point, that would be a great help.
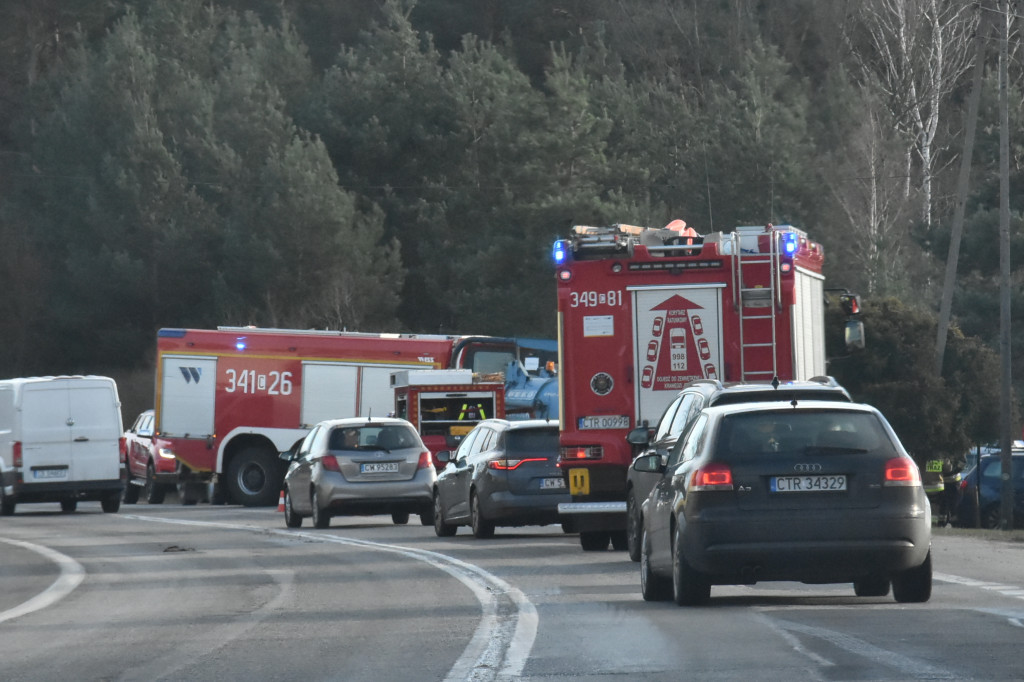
x: 227, y: 593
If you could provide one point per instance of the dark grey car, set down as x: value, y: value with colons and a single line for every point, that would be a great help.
x: 817, y: 492
x: 664, y: 440
x: 504, y: 473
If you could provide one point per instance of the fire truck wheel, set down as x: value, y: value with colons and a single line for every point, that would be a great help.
x: 634, y: 526
x: 154, y: 491
x: 251, y: 478
x: 291, y: 519
x: 321, y: 517
x: 619, y: 543
x: 442, y: 529
x: 131, y: 493
x: 482, y: 528
x: 594, y: 540
x: 400, y: 518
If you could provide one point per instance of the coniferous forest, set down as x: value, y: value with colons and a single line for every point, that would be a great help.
x: 401, y: 165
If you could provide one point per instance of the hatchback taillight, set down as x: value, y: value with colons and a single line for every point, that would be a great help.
x: 714, y: 476
x: 16, y: 454
x: 509, y: 464
x: 330, y: 463
x: 426, y: 460
x: 901, y: 471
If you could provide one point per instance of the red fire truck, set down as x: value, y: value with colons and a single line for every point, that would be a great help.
x: 643, y: 311
x: 230, y: 400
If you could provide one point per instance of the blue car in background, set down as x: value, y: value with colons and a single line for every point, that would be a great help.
x: 981, y: 490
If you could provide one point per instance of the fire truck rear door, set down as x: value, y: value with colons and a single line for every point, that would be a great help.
x: 677, y: 337
x: 188, y: 386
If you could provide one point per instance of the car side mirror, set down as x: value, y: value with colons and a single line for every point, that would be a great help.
x: 641, y: 435
x: 444, y: 456
x: 650, y: 464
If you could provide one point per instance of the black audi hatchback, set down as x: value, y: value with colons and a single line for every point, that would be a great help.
x: 815, y: 492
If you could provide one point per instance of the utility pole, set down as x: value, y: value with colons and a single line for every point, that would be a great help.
x: 1005, y: 437
x: 957, y: 230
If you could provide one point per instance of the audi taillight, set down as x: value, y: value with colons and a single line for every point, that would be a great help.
x: 510, y: 464
x: 714, y: 476
x: 426, y: 460
x: 901, y: 471
x: 16, y: 454
x: 330, y: 463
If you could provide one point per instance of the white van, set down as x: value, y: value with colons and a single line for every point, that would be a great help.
x: 61, y: 440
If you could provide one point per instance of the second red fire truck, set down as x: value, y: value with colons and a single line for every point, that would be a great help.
x: 230, y: 400
x: 643, y: 311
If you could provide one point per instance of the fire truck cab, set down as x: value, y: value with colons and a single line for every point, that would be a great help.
x: 642, y: 311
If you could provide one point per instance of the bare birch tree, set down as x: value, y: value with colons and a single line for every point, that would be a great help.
x: 916, y: 51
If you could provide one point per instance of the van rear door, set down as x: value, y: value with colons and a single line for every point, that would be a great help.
x: 95, y: 428
x: 45, y: 433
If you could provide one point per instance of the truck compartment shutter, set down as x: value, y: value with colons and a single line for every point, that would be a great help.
x: 329, y: 391
x: 188, y: 386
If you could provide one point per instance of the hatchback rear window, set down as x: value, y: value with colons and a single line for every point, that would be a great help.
x: 391, y: 437
x: 532, y: 442
x: 752, y: 435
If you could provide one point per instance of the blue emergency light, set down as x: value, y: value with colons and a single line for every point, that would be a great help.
x: 559, y: 253
x: 790, y: 242
x: 240, y: 344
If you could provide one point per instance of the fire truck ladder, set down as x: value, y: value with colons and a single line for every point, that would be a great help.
x: 756, y: 287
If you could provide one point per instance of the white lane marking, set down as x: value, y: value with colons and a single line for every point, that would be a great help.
x: 502, y: 642
x: 793, y: 640
x: 1014, y: 591
x: 71, y: 576
x: 911, y: 668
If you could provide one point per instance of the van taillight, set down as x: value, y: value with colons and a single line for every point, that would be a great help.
x: 426, y: 460
x: 330, y: 463
x: 714, y: 476
x: 901, y: 471
x: 16, y: 453
x: 122, y: 446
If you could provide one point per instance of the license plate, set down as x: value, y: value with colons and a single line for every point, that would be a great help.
x: 579, y: 481
x: 49, y: 473
x: 808, y: 484
x: 605, y: 422
x: 547, y: 483
x: 379, y: 468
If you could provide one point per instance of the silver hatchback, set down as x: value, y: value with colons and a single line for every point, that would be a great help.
x: 359, y: 467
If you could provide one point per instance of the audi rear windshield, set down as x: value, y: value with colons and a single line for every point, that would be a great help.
x: 753, y: 435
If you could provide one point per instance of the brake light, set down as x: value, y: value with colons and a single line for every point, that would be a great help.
x: 122, y: 447
x: 510, y: 464
x: 574, y: 453
x: 901, y: 471
x: 330, y: 463
x: 16, y: 453
x: 426, y: 460
x: 714, y: 476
